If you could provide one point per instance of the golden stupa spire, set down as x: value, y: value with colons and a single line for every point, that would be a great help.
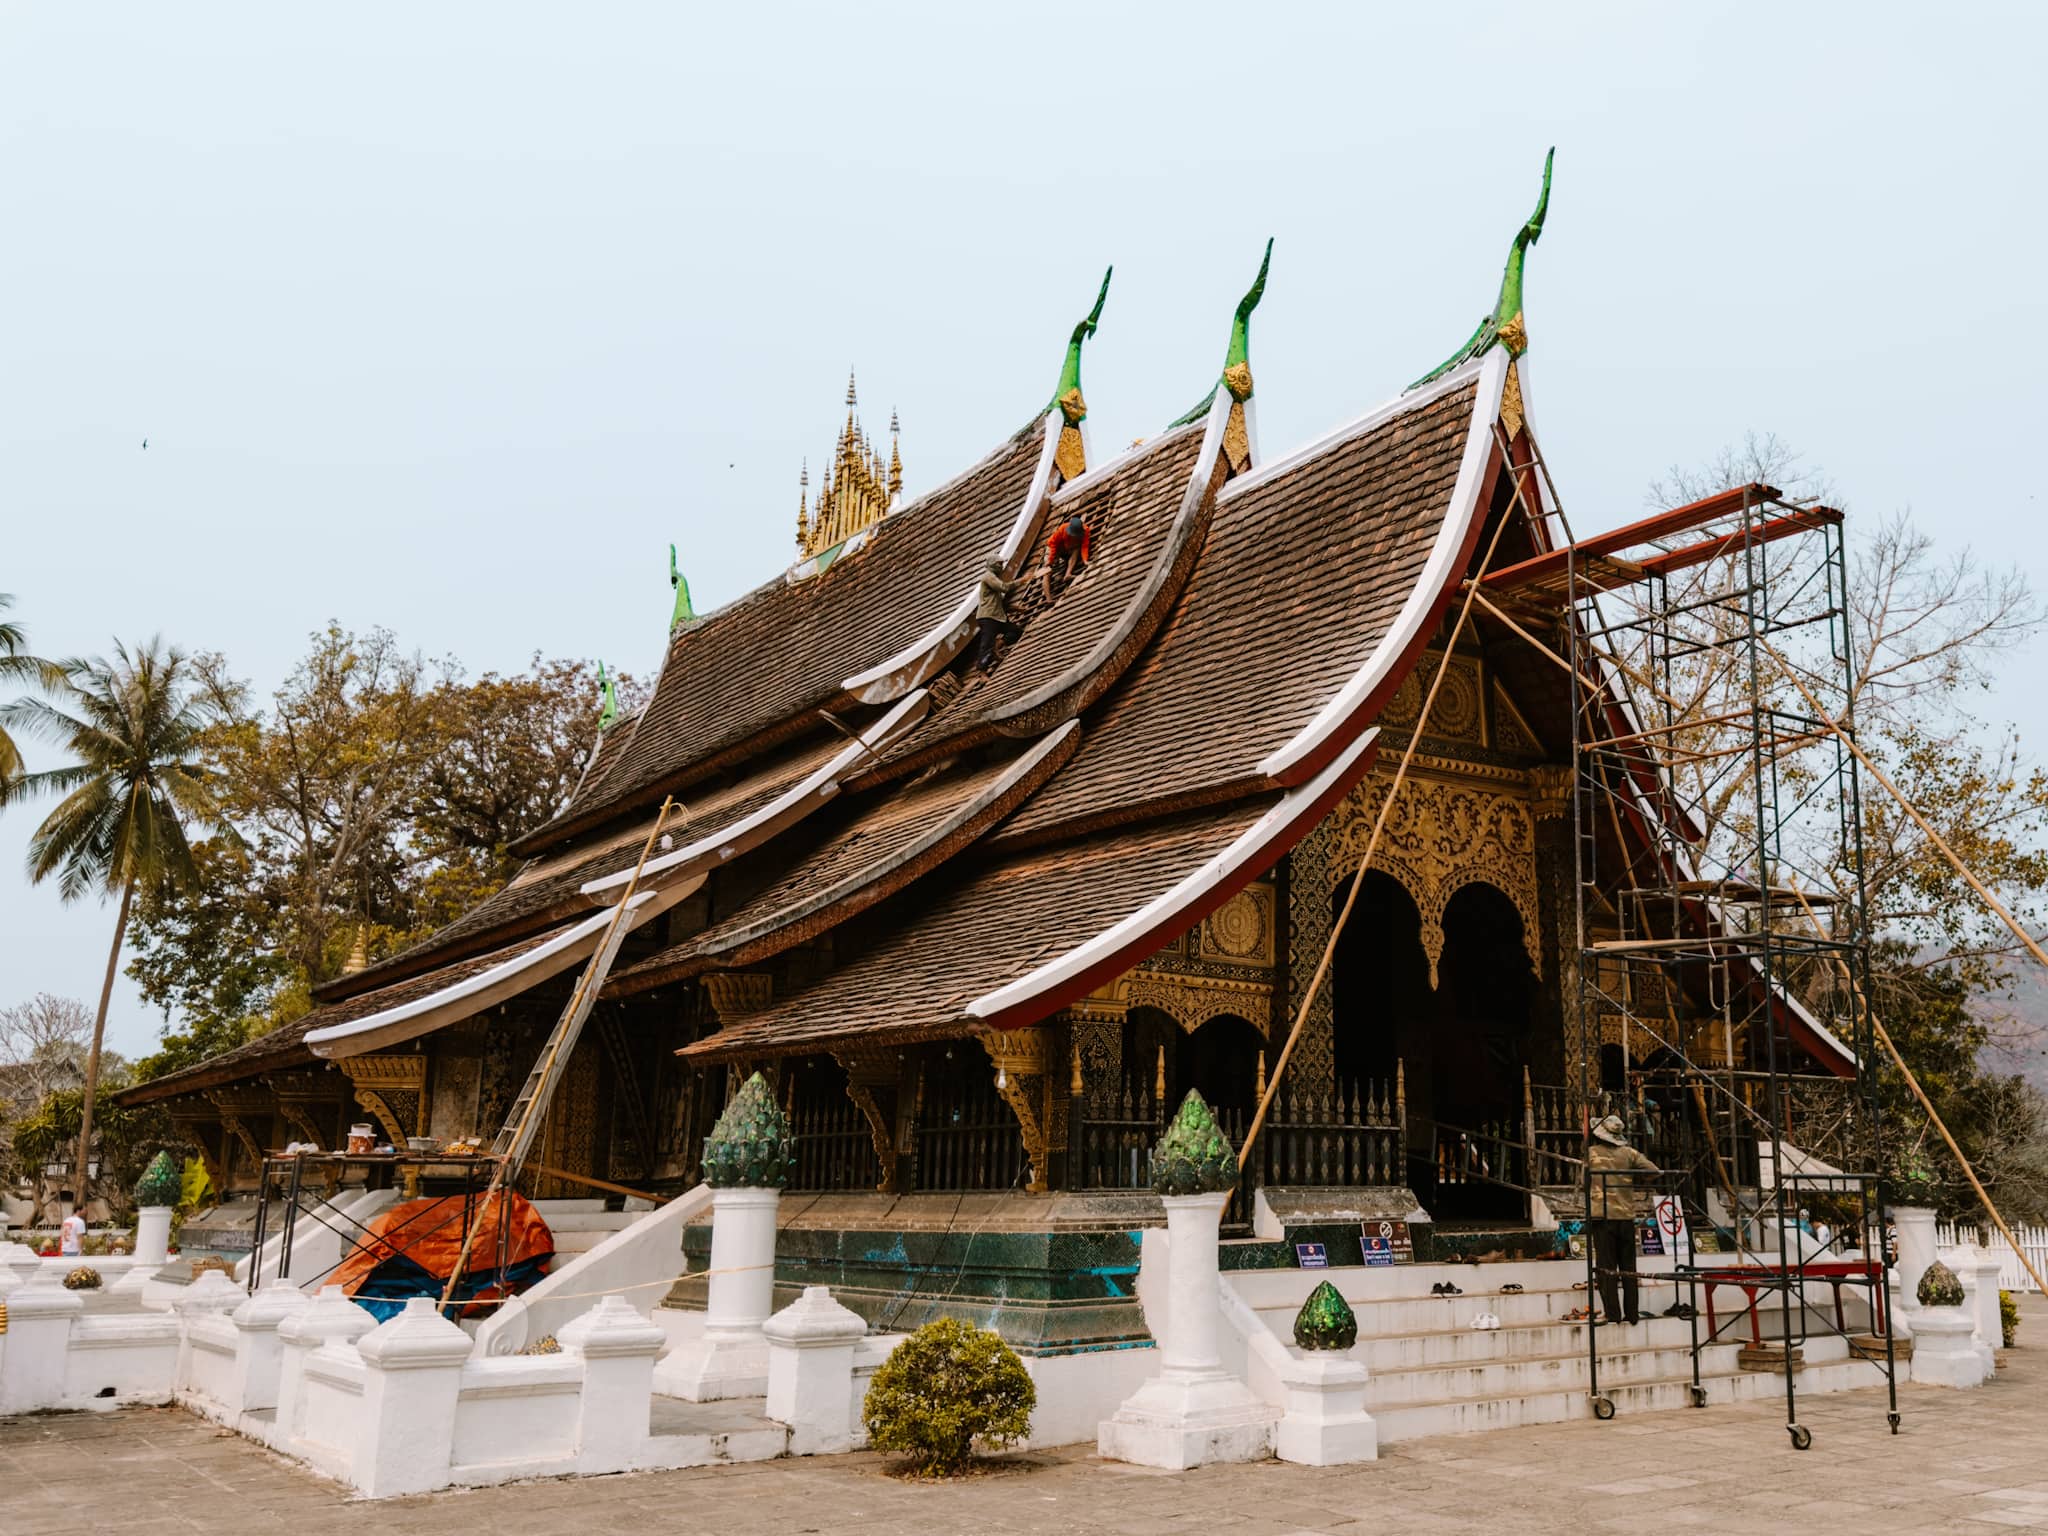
x: 857, y: 487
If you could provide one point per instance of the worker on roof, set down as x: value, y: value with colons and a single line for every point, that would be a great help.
x: 992, y: 613
x: 1070, y: 542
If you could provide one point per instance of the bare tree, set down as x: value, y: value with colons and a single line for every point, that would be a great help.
x: 42, y: 1049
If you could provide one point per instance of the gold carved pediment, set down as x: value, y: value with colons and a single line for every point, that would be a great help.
x: 1441, y: 837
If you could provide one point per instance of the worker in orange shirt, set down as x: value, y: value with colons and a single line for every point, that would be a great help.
x: 1070, y: 543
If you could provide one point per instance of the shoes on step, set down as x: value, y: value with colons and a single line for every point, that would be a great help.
x: 1680, y: 1309
x: 1485, y: 1322
x: 1578, y: 1315
x: 1437, y: 1289
x: 1511, y: 1289
x: 1631, y: 1320
x: 1452, y: 1290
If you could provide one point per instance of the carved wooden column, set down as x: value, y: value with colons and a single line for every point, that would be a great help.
x: 873, y: 1079
x: 1022, y: 1060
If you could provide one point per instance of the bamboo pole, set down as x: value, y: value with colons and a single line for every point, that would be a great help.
x: 505, y: 1172
x: 1912, y: 1082
x: 1906, y: 805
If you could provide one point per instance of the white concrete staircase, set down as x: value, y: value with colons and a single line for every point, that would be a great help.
x: 1431, y: 1373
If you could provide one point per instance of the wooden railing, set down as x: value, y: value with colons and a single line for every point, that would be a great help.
x: 1112, y: 1139
x: 834, y: 1148
x: 967, y: 1139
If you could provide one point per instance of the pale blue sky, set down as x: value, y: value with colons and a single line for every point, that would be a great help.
x: 450, y: 318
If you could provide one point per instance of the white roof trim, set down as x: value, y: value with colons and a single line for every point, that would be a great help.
x: 1251, y: 848
x: 1492, y: 373
x: 912, y: 666
x: 791, y: 806
x: 464, y: 999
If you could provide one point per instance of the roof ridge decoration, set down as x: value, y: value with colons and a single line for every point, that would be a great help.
x: 1071, y: 458
x: 1504, y: 326
x: 609, y: 715
x: 1237, y: 375
x: 859, y: 489
x: 683, y: 612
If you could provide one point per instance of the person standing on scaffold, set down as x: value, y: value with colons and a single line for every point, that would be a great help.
x: 1613, y: 1205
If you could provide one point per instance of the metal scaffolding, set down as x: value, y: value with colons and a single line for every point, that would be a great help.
x: 1722, y: 940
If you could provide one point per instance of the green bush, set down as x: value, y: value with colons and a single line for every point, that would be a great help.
x: 947, y: 1386
x: 2008, y: 1317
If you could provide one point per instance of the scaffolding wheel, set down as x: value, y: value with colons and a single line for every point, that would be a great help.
x: 1699, y: 1397
x: 1892, y: 1419
x: 1802, y: 1437
x: 1603, y: 1407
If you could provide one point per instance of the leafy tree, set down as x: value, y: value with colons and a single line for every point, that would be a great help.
x: 369, y: 801
x: 133, y: 724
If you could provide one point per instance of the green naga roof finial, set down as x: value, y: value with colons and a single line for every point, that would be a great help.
x: 1068, y: 396
x: 1505, y: 324
x: 1070, y: 458
x: 1237, y: 361
x: 684, y: 613
x: 608, y: 716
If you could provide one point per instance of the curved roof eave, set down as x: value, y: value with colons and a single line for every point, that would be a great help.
x: 788, y: 808
x: 1366, y: 692
x: 750, y: 942
x: 466, y: 998
x: 1109, y: 953
x: 921, y: 660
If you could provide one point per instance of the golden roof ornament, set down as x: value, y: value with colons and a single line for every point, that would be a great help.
x: 857, y: 489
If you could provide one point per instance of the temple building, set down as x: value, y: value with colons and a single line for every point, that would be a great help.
x: 982, y: 930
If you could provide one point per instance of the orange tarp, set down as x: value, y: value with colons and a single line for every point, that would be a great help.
x: 429, y: 1233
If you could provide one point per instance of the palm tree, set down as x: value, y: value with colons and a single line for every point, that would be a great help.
x: 135, y: 726
x: 16, y: 665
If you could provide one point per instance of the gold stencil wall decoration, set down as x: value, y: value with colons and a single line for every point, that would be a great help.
x: 1457, y: 713
x: 1440, y: 838
x: 1241, y: 930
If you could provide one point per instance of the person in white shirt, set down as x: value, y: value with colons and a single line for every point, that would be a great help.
x: 73, y: 1234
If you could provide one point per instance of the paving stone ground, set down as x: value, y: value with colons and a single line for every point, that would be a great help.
x: 1964, y: 1461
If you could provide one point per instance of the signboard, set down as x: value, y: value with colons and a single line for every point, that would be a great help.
x: 1311, y: 1256
x: 1386, y: 1243
x: 1667, y: 1219
x: 1649, y: 1238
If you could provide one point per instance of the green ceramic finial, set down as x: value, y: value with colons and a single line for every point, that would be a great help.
x: 162, y: 1182
x: 1068, y: 396
x: 1237, y: 360
x: 1325, y: 1320
x: 684, y: 613
x: 1939, y: 1287
x: 1194, y: 1156
x: 749, y: 1147
x: 1505, y: 324
x: 608, y: 716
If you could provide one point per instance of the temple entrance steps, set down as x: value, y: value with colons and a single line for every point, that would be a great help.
x: 580, y: 1225
x: 1430, y: 1372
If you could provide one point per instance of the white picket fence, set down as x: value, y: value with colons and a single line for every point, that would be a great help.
x: 2012, y: 1275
